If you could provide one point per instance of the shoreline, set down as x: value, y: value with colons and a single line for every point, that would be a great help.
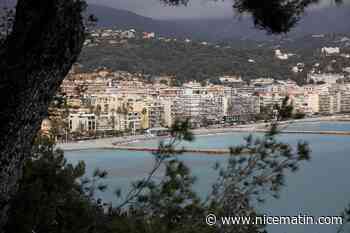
x: 121, y: 143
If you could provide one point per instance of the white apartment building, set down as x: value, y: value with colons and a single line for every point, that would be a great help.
x: 345, y: 102
x: 155, y: 114
x: 243, y: 105
x: 311, y: 104
x: 269, y: 99
x: 326, y: 78
x: 196, y: 103
x: 328, y: 103
x: 82, y: 122
x: 307, y: 103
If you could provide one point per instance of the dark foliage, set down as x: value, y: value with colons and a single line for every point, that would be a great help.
x: 50, y: 198
x: 274, y: 16
x: 285, y: 111
x: 44, y: 42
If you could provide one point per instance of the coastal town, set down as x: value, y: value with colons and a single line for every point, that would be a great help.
x: 111, y: 103
x: 174, y: 116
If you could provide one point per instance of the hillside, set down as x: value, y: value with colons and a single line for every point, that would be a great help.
x: 110, y: 17
x: 333, y: 21
x: 196, y: 61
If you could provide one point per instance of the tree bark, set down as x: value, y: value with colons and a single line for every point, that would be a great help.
x: 46, y: 40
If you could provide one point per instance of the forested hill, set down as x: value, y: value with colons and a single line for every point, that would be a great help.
x: 197, y: 61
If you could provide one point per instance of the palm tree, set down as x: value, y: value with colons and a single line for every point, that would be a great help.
x: 113, y: 111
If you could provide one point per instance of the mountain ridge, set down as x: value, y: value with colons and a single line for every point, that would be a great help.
x: 322, y: 21
x: 223, y: 28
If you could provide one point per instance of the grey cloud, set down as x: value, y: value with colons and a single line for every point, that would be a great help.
x: 196, y: 9
x: 154, y: 9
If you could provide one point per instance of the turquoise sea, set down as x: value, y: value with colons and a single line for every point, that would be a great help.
x: 320, y: 188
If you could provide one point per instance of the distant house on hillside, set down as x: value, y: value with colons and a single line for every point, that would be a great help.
x: 230, y: 79
x: 262, y: 81
x: 326, y: 78
x: 330, y: 50
x: 280, y: 55
x: 149, y: 35
x: 129, y: 34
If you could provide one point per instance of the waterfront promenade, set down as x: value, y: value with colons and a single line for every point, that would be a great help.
x: 123, y: 143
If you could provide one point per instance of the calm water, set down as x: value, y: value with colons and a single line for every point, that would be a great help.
x: 320, y: 188
x: 321, y: 126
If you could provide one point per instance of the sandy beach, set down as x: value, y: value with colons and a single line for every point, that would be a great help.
x: 114, y: 142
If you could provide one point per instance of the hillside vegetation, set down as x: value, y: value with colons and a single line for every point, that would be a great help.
x: 196, y: 61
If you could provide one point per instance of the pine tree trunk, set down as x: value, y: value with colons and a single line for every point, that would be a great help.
x: 46, y: 40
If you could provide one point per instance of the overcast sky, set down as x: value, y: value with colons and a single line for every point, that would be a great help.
x: 196, y: 9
